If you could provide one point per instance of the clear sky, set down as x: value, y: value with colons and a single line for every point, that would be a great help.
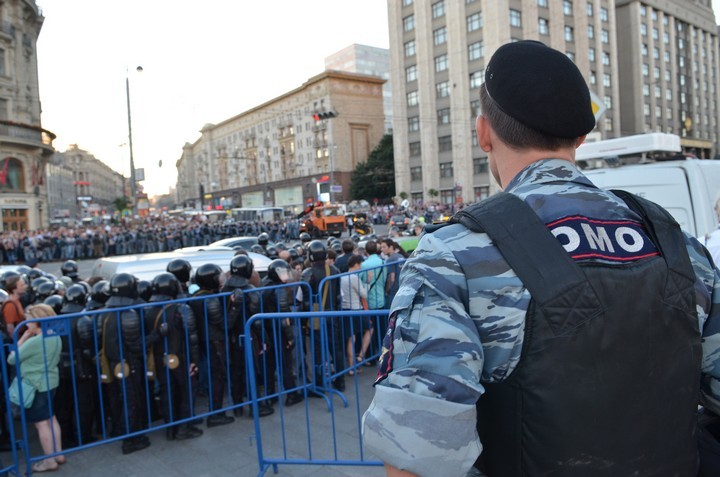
x: 203, y: 62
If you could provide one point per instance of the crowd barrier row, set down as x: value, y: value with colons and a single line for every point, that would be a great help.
x: 127, y: 371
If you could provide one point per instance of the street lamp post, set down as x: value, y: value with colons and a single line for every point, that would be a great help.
x: 133, y: 184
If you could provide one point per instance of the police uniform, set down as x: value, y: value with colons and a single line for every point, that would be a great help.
x: 464, y: 327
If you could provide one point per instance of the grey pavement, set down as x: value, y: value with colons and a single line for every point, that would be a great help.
x: 232, y: 450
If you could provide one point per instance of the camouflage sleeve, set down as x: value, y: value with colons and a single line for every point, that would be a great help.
x: 708, y: 310
x: 423, y: 416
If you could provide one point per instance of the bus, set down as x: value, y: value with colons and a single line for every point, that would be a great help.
x: 258, y: 214
x: 630, y: 149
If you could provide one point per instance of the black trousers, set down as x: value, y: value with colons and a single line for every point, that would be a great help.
x: 84, y: 399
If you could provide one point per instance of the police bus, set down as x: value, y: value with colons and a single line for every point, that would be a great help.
x: 257, y: 214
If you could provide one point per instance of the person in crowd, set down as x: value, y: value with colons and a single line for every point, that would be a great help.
x: 39, y: 355
x: 182, y: 270
x: 348, y: 250
x: 12, y: 309
x: 69, y: 269
x: 528, y: 333
x: 354, y: 293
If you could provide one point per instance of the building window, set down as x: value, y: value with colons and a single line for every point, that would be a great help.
x: 644, y: 49
x: 443, y: 116
x: 515, y: 18
x: 604, y: 16
x: 646, y: 90
x: 414, y: 149
x: 593, y: 78
x: 666, y: 38
x: 591, y: 54
x: 591, y: 32
x: 606, y: 58
x: 605, y: 36
x: 440, y: 36
x: 445, y: 143
x: 646, y: 109
x: 14, y: 177
x: 543, y: 26
x: 568, y: 33
x: 589, y: 9
x: 411, y: 73
x: 643, y: 29
x: 656, y: 53
x: 441, y: 63
x: 407, y: 3
x: 474, y: 22
x: 438, y: 9
x: 481, y: 193
x: 567, y: 8
x: 480, y: 165
x: 447, y: 196
x: 410, y: 48
x: 413, y: 124
x: 654, y: 15
x: 543, y: 3
x: 473, y: 135
x: 416, y: 173
x: 446, y: 169
x: 474, y: 109
x: 442, y: 89
x: 606, y: 80
x: 412, y: 98
x: 608, y: 123
x: 608, y: 101
x: 475, y: 51
x: 658, y: 92
x: 477, y: 78
x: 2, y: 62
x: 409, y: 23
x: 655, y: 34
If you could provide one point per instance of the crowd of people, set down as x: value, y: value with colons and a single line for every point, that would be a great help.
x: 181, y: 341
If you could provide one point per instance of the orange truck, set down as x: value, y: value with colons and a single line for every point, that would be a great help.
x: 322, y: 220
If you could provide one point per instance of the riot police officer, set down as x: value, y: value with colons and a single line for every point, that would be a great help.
x: 122, y: 345
x: 69, y: 268
x: 182, y: 269
x: 211, y: 316
x: 175, y: 344
x: 242, y: 304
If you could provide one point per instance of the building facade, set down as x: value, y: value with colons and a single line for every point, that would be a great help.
x: 367, y: 60
x: 93, y: 185
x: 278, y: 154
x: 669, y: 71
x: 652, y: 63
x: 25, y: 146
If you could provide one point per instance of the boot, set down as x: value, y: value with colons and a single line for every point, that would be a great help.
x: 188, y: 432
x: 171, y: 433
x: 293, y: 398
x: 134, y: 444
x: 219, y: 420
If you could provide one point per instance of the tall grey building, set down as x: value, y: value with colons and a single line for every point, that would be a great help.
x: 438, y: 53
x: 669, y: 71
x: 25, y: 146
x: 367, y: 60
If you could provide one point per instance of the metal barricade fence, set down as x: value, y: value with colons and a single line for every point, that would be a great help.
x: 130, y: 370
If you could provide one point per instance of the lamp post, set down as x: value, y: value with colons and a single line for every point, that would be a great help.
x: 133, y: 184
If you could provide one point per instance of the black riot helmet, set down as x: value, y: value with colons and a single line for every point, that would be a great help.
x: 293, y: 254
x: 180, y: 268
x: 34, y: 273
x: 69, y: 269
x: 76, y: 295
x: 144, y: 290
x: 317, y: 251
x: 305, y: 237
x: 100, y: 291
x: 207, y: 276
x: 44, y: 290
x: 123, y: 290
x: 55, y: 302
x: 242, y: 266
x: 355, y: 238
x: 165, y: 287
x: 263, y: 239
x: 35, y: 284
x: 257, y: 248
x: 272, y: 252
x: 279, y: 271
x: 5, y: 276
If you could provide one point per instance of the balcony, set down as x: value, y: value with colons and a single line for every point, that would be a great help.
x: 28, y: 135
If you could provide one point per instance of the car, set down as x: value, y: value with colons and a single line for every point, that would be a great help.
x: 441, y: 217
x: 244, y: 241
x: 148, y: 265
x: 402, y: 222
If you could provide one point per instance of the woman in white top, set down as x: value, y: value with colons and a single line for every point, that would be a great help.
x: 353, y: 291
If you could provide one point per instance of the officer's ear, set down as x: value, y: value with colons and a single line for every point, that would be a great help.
x: 482, y: 129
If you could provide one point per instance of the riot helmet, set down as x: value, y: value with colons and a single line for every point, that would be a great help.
x: 317, y: 251
x: 55, y: 302
x: 123, y: 290
x: 293, y: 254
x: 44, y: 290
x: 180, y: 268
x: 76, y: 295
x: 257, y: 248
x: 69, y: 269
x: 355, y: 238
x: 279, y: 271
x: 144, y: 290
x: 305, y: 237
x: 34, y: 273
x: 165, y: 287
x: 35, y: 284
x: 207, y: 276
x: 100, y: 291
x: 263, y: 239
x: 272, y: 252
x: 242, y: 266
x: 4, y: 278
x: 280, y: 246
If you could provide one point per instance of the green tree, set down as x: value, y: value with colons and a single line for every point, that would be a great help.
x: 121, y: 203
x: 375, y: 178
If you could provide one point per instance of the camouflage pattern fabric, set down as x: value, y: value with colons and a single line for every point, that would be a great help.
x: 457, y: 323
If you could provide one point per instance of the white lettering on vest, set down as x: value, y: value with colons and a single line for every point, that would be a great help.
x: 637, y: 241
x: 572, y: 236
x: 598, y: 238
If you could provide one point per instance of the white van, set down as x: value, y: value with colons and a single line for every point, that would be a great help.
x: 148, y: 265
x: 687, y: 189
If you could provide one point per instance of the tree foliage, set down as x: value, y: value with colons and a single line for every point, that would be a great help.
x: 121, y: 203
x: 375, y: 178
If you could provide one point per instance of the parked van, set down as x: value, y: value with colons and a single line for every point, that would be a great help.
x: 687, y: 189
x: 148, y: 265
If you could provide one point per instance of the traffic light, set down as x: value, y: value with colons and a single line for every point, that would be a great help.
x: 325, y: 115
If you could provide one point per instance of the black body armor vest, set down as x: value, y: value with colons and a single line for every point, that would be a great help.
x: 608, y: 380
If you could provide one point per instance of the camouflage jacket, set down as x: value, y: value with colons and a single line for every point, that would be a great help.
x: 457, y: 323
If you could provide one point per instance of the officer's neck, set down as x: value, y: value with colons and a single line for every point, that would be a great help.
x: 509, y: 161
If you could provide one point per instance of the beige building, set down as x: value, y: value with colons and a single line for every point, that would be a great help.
x: 24, y: 146
x: 669, y: 71
x: 278, y: 154
x: 438, y: 53
x: 95, y: 184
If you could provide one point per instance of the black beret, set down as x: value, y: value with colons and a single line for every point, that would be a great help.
x: 541, y: 88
